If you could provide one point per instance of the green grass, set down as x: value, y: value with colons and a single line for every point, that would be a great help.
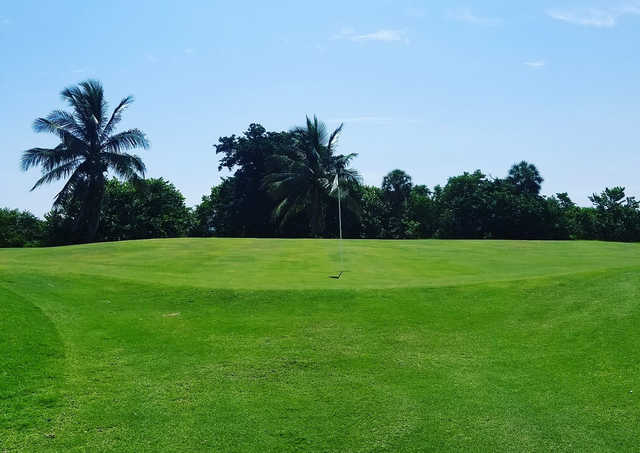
x: 248, y: 345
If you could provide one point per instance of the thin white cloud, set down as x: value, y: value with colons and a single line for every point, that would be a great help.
x: 151, y: 58
x: 382, y: 35
x: 595, y: 17
x: 79, y: 70
x: 467, y: 15
x: 536, y: 64
x: 4, y: 21
x: 586, y: 17
x: 189, y: 51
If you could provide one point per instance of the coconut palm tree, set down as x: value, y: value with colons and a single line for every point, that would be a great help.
x: 88, y: 149
x: 303, y: 182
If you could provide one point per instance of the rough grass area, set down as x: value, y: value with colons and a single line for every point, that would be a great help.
x: 248, y: 345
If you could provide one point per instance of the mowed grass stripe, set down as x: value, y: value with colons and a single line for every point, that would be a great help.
x: 31, y: 372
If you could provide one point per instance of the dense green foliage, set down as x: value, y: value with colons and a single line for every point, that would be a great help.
x: 282, y: 185
x: 20, y: 229
x: 246, y: 345
x: 470, y: 205
x: 136, y: 209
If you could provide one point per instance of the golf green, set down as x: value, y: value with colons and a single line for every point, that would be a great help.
x: 249, y: 345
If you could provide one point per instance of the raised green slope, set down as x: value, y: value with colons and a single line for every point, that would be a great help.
x: 247, y: 345
x: 305, y: 264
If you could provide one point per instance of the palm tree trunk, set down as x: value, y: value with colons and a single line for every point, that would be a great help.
x: 315, y: 213
x: 96, y: 209
x: 89, y: 217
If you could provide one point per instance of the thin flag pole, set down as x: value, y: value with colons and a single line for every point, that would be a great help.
x: 340, y: 225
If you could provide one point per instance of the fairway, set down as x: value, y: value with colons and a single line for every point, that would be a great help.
x: 249, y: 345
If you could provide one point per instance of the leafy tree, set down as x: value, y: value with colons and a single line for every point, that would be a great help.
x: 302, y: 183
x: 513, y: 214
x: 464, y: 204
x: 396, y: 186
x: 135, y: 209
x: 143, y: 209
x: 88, y: 149
x: 587, y: 224
x: 560, y: 219
x: 422, y: 214
x: 617, y: 215
x: 206, y: 214
x: 374, y: 211
x: 248, y: 211
x: 565, y: 201
x: 396, y: 189
x: 20, y: 229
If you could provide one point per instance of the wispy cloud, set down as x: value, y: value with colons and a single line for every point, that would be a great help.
x: 151, y: 58
x: 587, y: 17
x: 382, y: 35
x: 189, y: 51
x: 79, y: 70
x: 595, y: 17
x: 536, y: 64
x: 4, y: 21
x: 468, y: 16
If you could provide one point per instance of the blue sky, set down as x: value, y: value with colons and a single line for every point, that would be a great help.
x: 434, y: 88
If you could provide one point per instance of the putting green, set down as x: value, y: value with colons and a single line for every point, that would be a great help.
x: 307, y: 264
x: 248, y: 345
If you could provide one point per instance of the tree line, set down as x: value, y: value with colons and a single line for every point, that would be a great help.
x: 281, y: 185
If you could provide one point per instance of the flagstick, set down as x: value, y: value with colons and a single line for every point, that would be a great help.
x: 340, y: 226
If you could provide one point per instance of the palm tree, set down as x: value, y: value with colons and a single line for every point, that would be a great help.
x: 88, y: 149
x: 303, y: 182
x: 526, y: 178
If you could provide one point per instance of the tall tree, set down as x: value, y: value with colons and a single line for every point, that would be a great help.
x: 248, y: 211
x: 465, y: 206
x: 396, y: 190
x: 303, y: 183
x: 617, y: 215
x: 88, y: 149
x: 526, y: 178
x: 143, y: 209
x: 20, y: 229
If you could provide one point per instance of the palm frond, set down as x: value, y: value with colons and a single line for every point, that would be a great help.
x: 72, y: 185
x: 124, y: 165
x: 59, y: 172
x: 89, y: 105
x: 333, y: 139
x: 131, y: 139
x: 65, y: 121
x: 289, y: 207
x: 280, y: 185
x: 48, y: 158
x: 94, y: 94
x: 65, y: 132
x: 351, y: 175
x: 343, y: 160
x: 318, y: 131
x: 116, y: 117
